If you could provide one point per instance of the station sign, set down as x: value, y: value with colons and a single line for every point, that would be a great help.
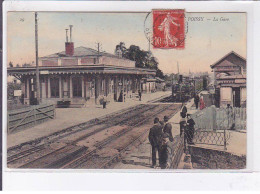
x: 240, y: 81
x: 17, y: 92
x: 44, y: 72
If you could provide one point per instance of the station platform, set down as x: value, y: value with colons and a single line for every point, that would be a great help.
x: 66, y: 117
x: 141, y: 157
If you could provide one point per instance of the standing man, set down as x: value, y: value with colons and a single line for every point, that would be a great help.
x: 184, y: 110
x: 140, y: 95
x: 191, y: 129
x: 166, y: 150
x: 120, y: 99
x: 196, y: 100
x: 167, y: 129
x: 155, y: 139
x: 182, y: 123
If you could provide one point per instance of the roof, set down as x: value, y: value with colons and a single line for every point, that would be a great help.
x: 81, y: 52
x: 239, y: 76
x: 159, y: 79
x: 226, y: 56
x: 80, y: 69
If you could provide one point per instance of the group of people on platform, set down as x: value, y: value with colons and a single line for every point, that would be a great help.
x: 161, y: 139
x: 198, y: 100
x: 187, y: 125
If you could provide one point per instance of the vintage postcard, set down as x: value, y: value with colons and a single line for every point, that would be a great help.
x: 153, y: 90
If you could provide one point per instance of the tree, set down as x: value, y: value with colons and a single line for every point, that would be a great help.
x: 120, y: 47
x: 143, y: 59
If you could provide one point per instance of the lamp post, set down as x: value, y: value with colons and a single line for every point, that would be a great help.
x: 36, y: 56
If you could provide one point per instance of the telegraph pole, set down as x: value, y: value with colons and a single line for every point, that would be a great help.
x: 149, y: 44
x: 37, y: 65
x: 98, y: 48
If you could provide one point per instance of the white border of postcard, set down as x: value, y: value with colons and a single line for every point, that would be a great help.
x: 140, y: 179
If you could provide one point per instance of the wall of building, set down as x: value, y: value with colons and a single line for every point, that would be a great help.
x: 226, y: 96
x: 72, y: 61
x: 90, y: 89
x: 116, y: 61
x: 49, y: 62
x: 148, y: 87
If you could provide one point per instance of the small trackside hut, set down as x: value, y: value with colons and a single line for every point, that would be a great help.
x: 80, y: 75
x: 230, y: 80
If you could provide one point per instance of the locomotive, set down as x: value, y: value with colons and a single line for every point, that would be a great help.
x: 182, y: 92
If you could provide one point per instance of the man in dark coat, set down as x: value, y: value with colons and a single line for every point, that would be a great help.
x: 140, y: 95
x: 182, y: 123
x: 196, y: 101
x: 184, y: 110
x: 166, y: 146
x: 167, y: 129
x: 120, y: 99
x: 190, y: 129
x: 155, y: 139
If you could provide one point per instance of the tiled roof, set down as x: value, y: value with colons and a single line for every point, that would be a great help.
x: 81, y: 52
x: 227, y: 55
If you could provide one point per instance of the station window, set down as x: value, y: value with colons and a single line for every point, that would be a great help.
x: 54, y: 84
x: 77, y: 87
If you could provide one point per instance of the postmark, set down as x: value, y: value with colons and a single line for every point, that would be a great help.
x: 168, y: 29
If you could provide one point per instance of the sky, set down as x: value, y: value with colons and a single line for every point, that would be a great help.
x: 206, y: 41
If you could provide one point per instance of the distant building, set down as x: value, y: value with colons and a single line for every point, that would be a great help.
x: 148, y: 84
x: 80, y: 75
x: 230, y: 80
x: 160, y: 84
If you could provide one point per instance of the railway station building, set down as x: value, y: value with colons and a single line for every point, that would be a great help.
x: 80, y: 75
x: 230, y: 80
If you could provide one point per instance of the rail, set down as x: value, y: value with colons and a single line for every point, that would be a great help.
x: 29, y: 117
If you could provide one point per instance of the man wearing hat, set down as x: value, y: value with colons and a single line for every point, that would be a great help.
x: 155, y: 139
x: 166, y: 149
x: 191, y: 129
x: 167, y: 129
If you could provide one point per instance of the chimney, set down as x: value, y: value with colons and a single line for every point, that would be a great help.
x: 71, y: 33
x: 67, y: 39
x: 69, y: 46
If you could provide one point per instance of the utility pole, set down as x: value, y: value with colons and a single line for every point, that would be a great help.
x: 71, y: 33
x: 67, y: 39
x: 37, y: 65
x: 98, y: 48
x: 149, y: 44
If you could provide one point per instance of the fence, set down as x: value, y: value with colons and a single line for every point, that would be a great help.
x: 28, y: 117
x: 213, y: 118
x: 213, y: 124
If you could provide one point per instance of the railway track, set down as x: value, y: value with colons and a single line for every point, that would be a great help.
x: 76, y: 128
x: 97, y: 161
x: 116, y: 157
x: 73, y: 156
x: 79, y: 128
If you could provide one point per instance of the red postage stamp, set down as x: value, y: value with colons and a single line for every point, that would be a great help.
x: 168, y: 29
